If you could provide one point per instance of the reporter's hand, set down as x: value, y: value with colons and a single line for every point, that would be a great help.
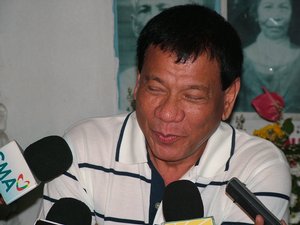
x: 1, y: 201
x: 259, y: 220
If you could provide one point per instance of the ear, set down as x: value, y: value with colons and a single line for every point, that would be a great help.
x: 137, y: 85
x: 230, y: 96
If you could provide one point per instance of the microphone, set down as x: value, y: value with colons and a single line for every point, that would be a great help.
x: 42, y: 161
x: 182, y: 202
x: 68, y: 211
x: 48, y: 157
x: 248, y: 202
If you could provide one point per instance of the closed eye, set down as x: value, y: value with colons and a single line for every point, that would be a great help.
x: 194, y: 98
x: 143, y: 9
x: 155, y: 89
x: 196, y: 94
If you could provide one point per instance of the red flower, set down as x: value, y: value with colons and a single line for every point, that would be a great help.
x: 269, y: 105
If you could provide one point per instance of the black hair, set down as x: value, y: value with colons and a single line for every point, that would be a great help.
x: 189, y: 31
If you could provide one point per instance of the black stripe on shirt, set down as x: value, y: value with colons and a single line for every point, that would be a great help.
x: 121, y: 137
x: 119, y: 220
x: 70, y: 176
x: 213, y: 183
x: 45, y: 197
x: 110, y: 170
x: 265, y: 194
x: 272, y: 194
x: 232, y: 148
x: 126, y: 221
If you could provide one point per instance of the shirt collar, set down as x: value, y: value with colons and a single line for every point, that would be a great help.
x: 131, y: 147
x: 217, y: 154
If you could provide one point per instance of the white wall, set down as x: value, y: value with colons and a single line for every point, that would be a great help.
x: 57, y: 64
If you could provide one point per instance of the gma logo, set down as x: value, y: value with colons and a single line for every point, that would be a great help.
x: 8, y: 180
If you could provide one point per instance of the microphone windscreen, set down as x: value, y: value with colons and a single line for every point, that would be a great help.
x: 70, y: 211
x: 182, y: 201
x: 48, y: 158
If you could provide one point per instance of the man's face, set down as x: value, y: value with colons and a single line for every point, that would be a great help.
x: 179, y: 106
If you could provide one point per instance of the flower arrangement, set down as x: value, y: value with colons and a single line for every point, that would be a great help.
x: 270, y: 106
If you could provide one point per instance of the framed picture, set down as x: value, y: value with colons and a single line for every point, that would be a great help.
x: 270, y: 35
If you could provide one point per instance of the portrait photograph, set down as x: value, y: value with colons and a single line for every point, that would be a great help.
x: 270, y: 36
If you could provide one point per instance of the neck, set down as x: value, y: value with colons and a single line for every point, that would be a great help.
x: 174, y: 170
x: 272, y: 53
x: 273, y: 43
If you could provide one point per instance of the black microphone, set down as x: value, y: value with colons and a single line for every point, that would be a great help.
x: 21, y: 172
x: 68, y: 211
x: 248, y: 202
x: 48, y: 157
x: 182, y: 201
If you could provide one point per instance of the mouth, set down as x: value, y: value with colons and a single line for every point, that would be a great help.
x: 166, y: 138
x: 278, y: 26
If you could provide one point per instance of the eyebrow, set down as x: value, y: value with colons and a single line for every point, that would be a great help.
x: 153, y: 77
x: 198, y: 87
x: 143, y: 8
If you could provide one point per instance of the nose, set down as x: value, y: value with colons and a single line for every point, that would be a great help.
x: 169, y: 110
x: 277, y: 16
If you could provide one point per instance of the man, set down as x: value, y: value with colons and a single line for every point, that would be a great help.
x: 189, y: 66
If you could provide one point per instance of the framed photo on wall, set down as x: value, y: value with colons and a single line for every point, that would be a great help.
x: 270, y: 35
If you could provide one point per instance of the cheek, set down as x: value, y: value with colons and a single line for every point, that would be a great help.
x: 287, y: 19
x: 146, y: 101
x: 263, y: 15
x: 263, y: 19
x: 144, y: 105
x: 203, y: 121
x: 197, y: 120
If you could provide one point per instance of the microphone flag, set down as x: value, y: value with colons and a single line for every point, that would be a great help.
x: 16, y: 178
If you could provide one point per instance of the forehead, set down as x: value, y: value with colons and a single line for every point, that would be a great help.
x: 164, y: 63
x: 154, y: 51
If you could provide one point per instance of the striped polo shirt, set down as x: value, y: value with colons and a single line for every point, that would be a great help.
x: 112, y: 174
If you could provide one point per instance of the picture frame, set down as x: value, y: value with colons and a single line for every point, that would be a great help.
x: 241, y: 14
